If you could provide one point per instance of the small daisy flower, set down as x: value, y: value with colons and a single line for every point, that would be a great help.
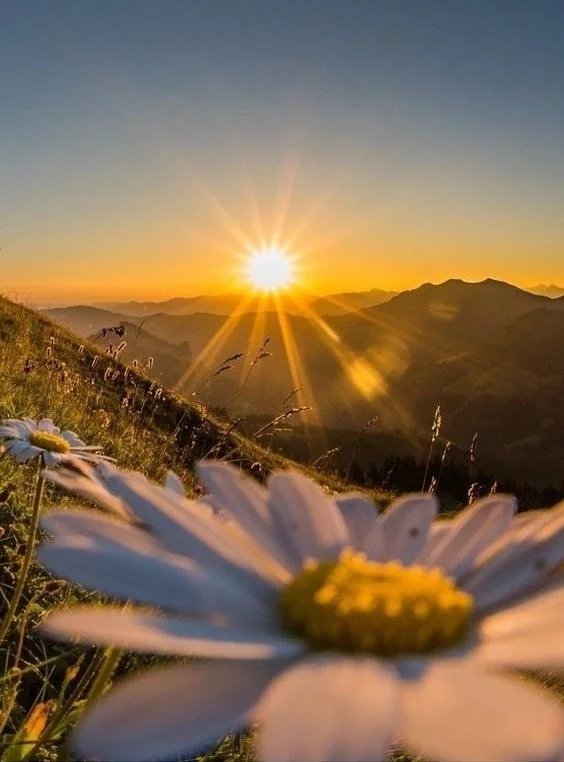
x: 25, y: 439
x: 337, y: 631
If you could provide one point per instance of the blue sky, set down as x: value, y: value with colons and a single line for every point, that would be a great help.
x: 415, y: 140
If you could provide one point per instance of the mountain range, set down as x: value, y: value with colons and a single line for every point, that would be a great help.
x: 226, y: 304
x: 489, y: 353
x: 547, y: 290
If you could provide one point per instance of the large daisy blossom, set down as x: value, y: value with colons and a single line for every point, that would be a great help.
x: 337, y: 631
x: 26, y: 439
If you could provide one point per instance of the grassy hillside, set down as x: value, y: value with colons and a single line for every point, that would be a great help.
x: 108, y: 402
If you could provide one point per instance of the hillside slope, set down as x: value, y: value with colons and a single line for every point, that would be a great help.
x: 45, y: 371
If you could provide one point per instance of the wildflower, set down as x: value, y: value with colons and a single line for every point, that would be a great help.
x: 26, y: 439
x: 337, y: 630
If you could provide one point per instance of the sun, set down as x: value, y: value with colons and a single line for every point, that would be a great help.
x: 270, y: 269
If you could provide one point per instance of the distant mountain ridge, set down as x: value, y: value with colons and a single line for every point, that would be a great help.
x: 351, y: 301
x: 490, y: 353
x: 221, y: 304
x: 550, y: 290
x: 226, y: 304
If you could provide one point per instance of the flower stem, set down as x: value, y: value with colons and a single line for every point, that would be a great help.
x: 427, y: 467
x: 61, y: 718
x: 24, y: 571
x: 112, y: 658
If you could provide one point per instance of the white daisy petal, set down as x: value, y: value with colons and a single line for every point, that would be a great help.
x: 95, y: 526
x: 46, y: 424
x: 329, y: 709
x: 174, y: 483
x: 73, y: 439
x: 10, y: 432
x: 184, y: 530
x: 541, y: 648
x: 130, y: 566
x: 51, y: 459
x: 526, y: 516
x: 523, y: 562
x: 309, y: 520
x: 22, y: 427
x: 229, y: 485
x: 210, y: 508
x: 361, y: 517
x: 215, y: 507
x: 87, y: 487
x: 157, y: 634
x: 22, y: 451
x: 173, y: 712
x: 547, y: 605
x: 528, y: 635
x: 437, y: 533
x: 246, y: 501
x: 455, y: 713
x: 406, y: 525
x: 471, y: 532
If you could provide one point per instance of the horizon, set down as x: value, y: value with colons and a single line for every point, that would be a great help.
x: 311, y: 297
x: 147, y: 146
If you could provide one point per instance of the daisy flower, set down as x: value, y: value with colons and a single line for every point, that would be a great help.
x: 337, y: 631
x: 26, y: 439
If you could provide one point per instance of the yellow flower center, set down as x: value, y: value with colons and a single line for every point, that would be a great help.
x: 48, y: 441
x: 383, y: 608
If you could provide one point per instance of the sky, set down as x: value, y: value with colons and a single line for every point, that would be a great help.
x: 147, y: 147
